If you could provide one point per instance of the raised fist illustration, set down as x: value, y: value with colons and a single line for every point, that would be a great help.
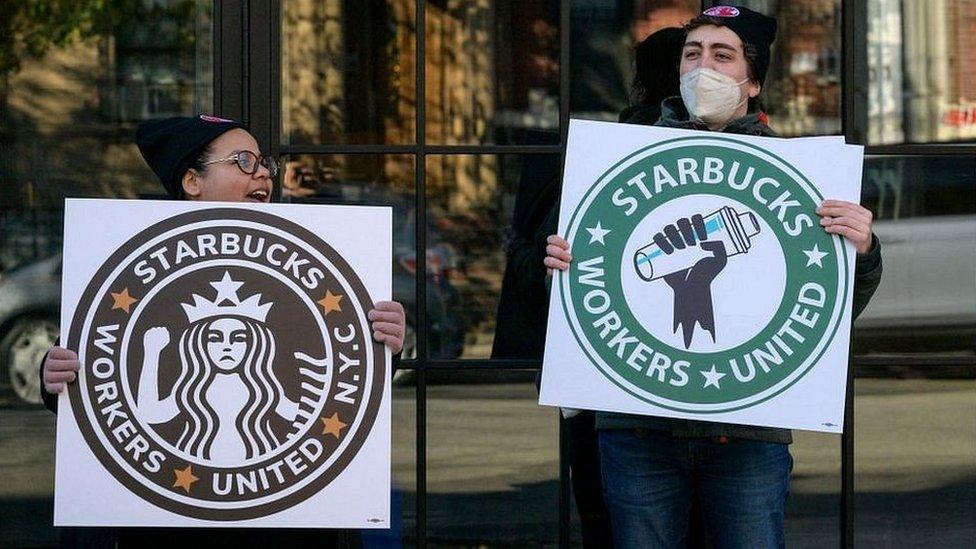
x: 155, y: 340
x: 692, y: 286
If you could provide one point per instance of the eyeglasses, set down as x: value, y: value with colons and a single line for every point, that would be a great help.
x: 248, y: 162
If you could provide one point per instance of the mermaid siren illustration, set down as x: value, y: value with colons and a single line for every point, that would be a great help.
x: 227, y: 395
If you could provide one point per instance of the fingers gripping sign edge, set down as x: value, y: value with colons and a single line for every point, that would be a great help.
x: 558, y: 256
x: 60, y: 368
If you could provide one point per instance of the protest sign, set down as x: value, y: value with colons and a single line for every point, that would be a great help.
x: 702, y: 285
x: 229, y: 376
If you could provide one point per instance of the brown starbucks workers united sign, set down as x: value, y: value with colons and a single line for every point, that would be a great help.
x: 228, y: 371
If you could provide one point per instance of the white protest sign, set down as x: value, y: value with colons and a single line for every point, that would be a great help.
x: 229, y: 376
x: 746, y: 320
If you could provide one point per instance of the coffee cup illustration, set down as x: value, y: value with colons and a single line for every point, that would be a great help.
x: 733, y: 229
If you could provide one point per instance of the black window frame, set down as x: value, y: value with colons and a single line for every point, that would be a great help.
x: 247, y: 85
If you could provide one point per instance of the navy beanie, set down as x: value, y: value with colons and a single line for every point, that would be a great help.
x: 753, y: 28
x: 170, y: 145
x: 656, y: 60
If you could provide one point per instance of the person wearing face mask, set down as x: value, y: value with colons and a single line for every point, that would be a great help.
x: 207, y: 158
x: 721, y: 77
x: 654, y: 468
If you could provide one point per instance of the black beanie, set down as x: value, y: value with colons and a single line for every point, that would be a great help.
x: 656, y: 60
x: 753, y: 28
x: 170, y: 145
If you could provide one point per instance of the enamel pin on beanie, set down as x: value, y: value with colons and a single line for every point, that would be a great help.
x: 723, y: 11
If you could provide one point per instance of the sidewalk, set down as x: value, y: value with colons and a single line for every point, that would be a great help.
x: 493, y: 472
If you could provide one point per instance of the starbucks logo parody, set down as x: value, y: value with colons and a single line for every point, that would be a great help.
x: 228, y: 366
x: 701, y: 279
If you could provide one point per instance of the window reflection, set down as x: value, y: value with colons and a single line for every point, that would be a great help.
x: 492, y: 71
x: 403, y: 512
x: 921, y: 71
x: 75, y: 80
x: 602, y: 49
x: 926, y: 220
x: 68, y: 117
x: 812, y: 519
x: 914, y: 477
x: 802, y: 93
x: 492, y: 462
x: 348, y: 72
x: 163, y: 69
x: 367, y: 180
x: 471, y: 200
x: 903, y: 187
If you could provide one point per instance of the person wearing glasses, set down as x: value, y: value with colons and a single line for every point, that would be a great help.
x: 205, y: 158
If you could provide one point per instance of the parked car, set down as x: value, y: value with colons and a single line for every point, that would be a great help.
x: 29, y: 306
x: 927, y: 298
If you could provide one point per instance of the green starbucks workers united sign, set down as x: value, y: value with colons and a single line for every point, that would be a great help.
x: 702, y: 283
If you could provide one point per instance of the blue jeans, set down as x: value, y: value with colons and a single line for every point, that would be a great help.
x: 649, y: 480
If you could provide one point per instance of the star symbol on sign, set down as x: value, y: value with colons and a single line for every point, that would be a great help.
x: 597, y: 233
x: 330, y: 302
x: 333, y: 426
x: 123, y: 300
x: 226, y: 289
x: 815, y: 256
x: 185, y: 478
x: 711, y: 377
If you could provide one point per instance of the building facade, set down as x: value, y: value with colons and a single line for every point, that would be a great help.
x: 454, y: 112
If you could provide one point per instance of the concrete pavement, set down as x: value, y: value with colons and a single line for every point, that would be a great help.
x: 493, y: 468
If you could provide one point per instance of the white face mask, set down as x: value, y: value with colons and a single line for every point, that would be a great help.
x: 710, y: 96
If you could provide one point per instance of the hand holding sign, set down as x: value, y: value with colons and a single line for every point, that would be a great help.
x: 247, y: 383
x: 753, y: 268
x: 60, y: 367
x: 557, y: 254
x: 849, y: 220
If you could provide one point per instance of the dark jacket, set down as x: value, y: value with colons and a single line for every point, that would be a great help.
x: 520, y: 323
x: 647, y: 115
x: 867, y: 276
